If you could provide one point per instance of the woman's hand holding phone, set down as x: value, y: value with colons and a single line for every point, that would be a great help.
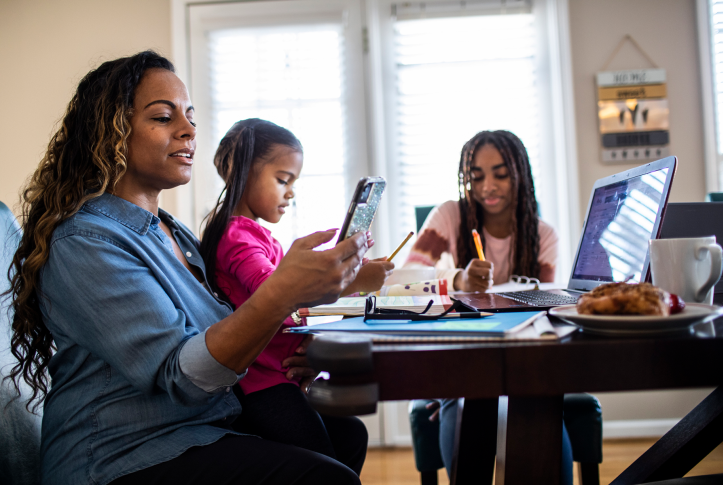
x: 306, y: 277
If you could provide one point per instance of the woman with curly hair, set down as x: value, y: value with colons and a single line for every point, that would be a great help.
x: 115, y: 326
x: 497, y: 198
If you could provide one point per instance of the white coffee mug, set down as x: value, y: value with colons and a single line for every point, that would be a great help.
x: 410, y: 275
x: 687, y: 267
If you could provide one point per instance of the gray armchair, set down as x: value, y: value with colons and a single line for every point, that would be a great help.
x: 19, y: 429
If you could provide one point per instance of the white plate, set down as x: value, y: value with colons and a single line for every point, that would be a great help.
x: 638, y: 324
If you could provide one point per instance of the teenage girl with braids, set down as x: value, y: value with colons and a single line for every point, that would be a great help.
x: 497, y: 197
x: 115, y: 326
x: 260, y: 162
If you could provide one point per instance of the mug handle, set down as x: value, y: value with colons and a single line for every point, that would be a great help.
x: 716, y: 257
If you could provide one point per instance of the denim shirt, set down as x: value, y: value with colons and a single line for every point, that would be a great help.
x: 133, y: 383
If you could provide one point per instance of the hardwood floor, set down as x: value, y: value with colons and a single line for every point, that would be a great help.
x: 395, y: 466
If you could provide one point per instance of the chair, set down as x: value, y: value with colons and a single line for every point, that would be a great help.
x: 714, y: 197
x: 583, y: 420
x: 421, y: 213
x: 19, y: 429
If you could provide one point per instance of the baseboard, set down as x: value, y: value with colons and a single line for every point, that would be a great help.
x: 637, y: 428
x: 402, y: 441
x: 629, y: 428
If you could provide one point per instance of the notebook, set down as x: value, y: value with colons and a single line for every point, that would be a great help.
x: 695, y: 219
x: 494, y: 325
x: 355, y: 305
x: 624, y: 211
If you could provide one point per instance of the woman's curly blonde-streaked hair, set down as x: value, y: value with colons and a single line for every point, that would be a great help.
x: 84, y: 159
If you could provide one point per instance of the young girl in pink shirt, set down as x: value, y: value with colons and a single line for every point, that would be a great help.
x: 260, y: 161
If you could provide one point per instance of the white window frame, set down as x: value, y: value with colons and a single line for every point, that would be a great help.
x: 390, y: 426
x: 713, y: 161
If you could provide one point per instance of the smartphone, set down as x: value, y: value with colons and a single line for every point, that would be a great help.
x: 363, y: 207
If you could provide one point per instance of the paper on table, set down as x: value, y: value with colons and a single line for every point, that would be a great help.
x: 355, y: 306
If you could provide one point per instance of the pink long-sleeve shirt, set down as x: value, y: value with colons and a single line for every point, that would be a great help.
x: 246, y: 256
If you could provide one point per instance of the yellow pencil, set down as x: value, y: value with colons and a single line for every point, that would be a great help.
x: 478, y: 243
x: 401, y: 245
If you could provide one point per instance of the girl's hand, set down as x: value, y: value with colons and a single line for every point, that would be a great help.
x: 299, y: 368
x: 477, y: 276
x: 371, y: 276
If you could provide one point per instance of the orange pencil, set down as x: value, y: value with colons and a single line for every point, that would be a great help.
x: 478, y: 243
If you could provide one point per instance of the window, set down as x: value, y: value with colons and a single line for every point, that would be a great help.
x: 421, y: 77
x: 457, y: 73
x: 291, y: 71
x: 710, y: 41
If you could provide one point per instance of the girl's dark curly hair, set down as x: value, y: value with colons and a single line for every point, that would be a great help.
x: 525, y: 236
x: 84, y: 159
x: 247, y: 142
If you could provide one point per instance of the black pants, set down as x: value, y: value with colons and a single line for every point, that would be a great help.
x: 298, y: 447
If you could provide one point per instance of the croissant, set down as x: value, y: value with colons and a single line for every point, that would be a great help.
x: 629, y: 299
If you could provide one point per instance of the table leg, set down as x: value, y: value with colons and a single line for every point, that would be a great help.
x: 476, y: 442
x: 681, y: 448
x: 530, y: 442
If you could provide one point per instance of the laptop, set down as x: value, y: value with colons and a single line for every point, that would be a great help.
x: 695, y: 219
x: 625, y: 211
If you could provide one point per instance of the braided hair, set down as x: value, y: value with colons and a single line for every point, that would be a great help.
x: 525, y: 234
x: 246, y: 143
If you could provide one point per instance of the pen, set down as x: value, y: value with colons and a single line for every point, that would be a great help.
x: 478, y: 243
x: 401, y: 245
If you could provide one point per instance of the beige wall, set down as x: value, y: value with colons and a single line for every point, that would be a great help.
x: 667, y: 30
x: 46, y: 47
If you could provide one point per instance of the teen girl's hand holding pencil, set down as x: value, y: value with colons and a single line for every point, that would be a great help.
x: 477, y: 276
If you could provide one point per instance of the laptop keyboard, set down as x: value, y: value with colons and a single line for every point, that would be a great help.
x: 540, y: 298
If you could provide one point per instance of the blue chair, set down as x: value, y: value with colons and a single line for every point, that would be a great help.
x: 19, y: 429
x: 421, y: 213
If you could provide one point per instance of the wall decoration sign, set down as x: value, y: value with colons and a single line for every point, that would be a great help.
x: 633, y: 115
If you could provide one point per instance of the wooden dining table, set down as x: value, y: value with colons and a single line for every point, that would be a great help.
x: 534, y: 375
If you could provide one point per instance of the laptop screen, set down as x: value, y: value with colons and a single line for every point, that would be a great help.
x: 620, y: 222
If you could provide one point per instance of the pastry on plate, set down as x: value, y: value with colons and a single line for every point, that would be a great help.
x: 629, y: 299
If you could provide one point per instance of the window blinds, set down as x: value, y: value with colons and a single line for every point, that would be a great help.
x: 716, y: 16
x: 293, y: 76
x: 456, y: 76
